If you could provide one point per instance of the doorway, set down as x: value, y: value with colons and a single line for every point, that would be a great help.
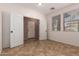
x: 31, y: 29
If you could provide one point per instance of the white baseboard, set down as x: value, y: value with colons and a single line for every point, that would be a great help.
x: 42, y: 39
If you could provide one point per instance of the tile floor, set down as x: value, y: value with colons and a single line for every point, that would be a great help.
x: 42, y: 48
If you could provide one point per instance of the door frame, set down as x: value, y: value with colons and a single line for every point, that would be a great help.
x: 0, y: 34
x: 35, y: 20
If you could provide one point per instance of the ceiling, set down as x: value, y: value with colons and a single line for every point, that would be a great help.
x: 45, y: 7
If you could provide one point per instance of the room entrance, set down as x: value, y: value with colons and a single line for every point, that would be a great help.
x: 31, y: 29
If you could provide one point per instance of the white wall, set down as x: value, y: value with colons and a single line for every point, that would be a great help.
x: 62, y: 36
x: 6, y: 29
x: 13, y: 8
x: 0, y: 33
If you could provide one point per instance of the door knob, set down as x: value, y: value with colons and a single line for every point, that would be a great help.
x: 11, y: 31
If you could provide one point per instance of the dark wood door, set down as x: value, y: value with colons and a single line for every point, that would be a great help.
x: 25, y: 28
x: 37, y: 29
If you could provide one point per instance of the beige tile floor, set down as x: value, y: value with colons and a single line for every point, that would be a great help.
x: 42, y: 48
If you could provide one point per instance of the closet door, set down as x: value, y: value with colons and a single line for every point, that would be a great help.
x: 37, y: 29
x: 16, y: 30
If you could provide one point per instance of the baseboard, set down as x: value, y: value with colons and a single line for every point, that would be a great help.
x: 31, y: 38
x: 42, y: 39
x: 67, y: 43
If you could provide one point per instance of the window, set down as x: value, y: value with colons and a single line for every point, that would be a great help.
x: 56, y: 23
x: 71, y: 21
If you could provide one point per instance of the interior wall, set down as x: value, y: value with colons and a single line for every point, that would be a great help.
x: 6, y: 30
x: 31, y: 29
x: 24, y: 11
x: 71, y: 38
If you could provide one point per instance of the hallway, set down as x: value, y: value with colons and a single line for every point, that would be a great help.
x: 42, y: 48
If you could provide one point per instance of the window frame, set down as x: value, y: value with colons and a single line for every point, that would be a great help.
x: 71, y: 11
x: 58, y: 22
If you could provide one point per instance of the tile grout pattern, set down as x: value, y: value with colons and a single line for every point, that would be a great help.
x: 42, y: 48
